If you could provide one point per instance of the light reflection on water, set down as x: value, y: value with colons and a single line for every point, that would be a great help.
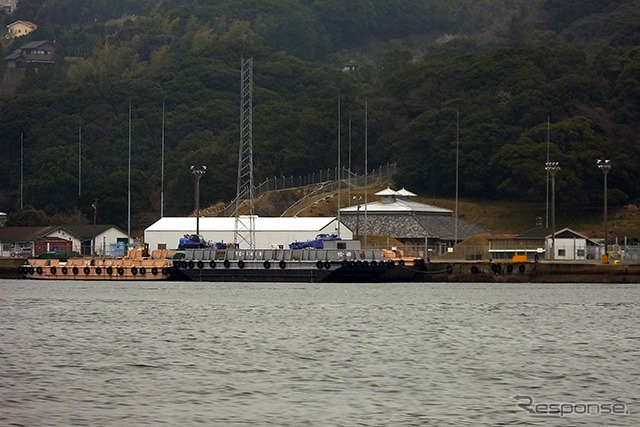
x: 291, y: 354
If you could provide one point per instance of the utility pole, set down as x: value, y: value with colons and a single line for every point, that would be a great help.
x: 366, y: 168
x: 162, y: 167
x: 547, y: 202
x: 21, y: 171
x: 79, y: 160
x: 455, y: 232
x: 605, y: 167
x: 95, y: 219
x: 129, y: 185
x: 338, y: 169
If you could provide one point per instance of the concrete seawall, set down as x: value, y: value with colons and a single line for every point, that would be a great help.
x: 9, y: 267
x: 540, y: 272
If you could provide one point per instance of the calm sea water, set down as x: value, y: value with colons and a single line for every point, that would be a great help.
x: 104, y: 353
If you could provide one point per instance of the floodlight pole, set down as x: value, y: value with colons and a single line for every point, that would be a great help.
x: 605, y: 167
x: 197, y: 173
x: 552, y: 168
x: 95, y: 218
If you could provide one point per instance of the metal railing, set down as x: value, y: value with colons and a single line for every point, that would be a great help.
x: 628, y: 254
x: 326, y: 179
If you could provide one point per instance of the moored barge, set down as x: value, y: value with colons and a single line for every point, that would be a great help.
x: 337, y: 262
x: 137, y: 265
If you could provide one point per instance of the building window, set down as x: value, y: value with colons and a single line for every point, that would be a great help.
x: 562, y: 252
x: 580, y: 252
x: 162, y: 246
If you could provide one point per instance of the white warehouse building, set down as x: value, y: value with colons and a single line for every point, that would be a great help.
x: 269, y: 231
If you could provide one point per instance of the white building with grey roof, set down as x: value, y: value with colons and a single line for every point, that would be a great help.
x: 416, y: 225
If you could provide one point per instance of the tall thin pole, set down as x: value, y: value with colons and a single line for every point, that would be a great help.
x: 455, y: 234
x: 349, y: 174
x: 553, y: 216
x: 366, y: 166
x: 552, y: 168
x: 338, y: 171
x: 162, y: 169
x: 605, y: 167
x: 198, y: 173
x: 21, y: 170
x: 198, y: 205
x: 547, y: 205
x: 129, y: 182
x: 95, y: 218
x: 606, y: 250
x: 79, y: 160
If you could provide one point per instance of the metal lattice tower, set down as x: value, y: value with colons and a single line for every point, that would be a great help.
x: 245, y: 234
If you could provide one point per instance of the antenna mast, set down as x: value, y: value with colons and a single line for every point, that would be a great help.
x: 245, y: 225
x: 79, y: 160
x: 129, y: 185
x: 21, y: 170
x: 338, y: 169
x: 546, y: 223
x: 162, y: 168
x: 455, y: 233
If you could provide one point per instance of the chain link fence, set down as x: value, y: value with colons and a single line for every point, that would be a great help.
x: 326, y: 181
x: 324, y: 176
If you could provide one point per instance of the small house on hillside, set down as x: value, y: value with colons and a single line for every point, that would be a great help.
x: 20, y: 28
x: 424, y: 229
x: 37, y: 54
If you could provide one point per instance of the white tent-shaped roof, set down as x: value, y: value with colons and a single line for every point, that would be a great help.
x: 406, y: 193
x: 387, y: 192
x: 397, y: 206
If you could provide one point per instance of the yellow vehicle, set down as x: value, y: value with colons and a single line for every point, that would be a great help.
x: 520, y: 257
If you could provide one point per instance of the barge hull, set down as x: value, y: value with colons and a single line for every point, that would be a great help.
x: 298, y: 265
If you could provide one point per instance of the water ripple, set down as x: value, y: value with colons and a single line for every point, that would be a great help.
x: 74, y: 353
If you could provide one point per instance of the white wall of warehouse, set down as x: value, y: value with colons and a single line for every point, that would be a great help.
x: 268, y: 230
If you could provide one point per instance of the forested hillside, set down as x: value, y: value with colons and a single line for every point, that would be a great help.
x: 506, y: 68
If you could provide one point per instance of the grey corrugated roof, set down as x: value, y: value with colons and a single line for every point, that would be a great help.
x: 412, y: 226
x: 15, y: 54
x: 444, y: 227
